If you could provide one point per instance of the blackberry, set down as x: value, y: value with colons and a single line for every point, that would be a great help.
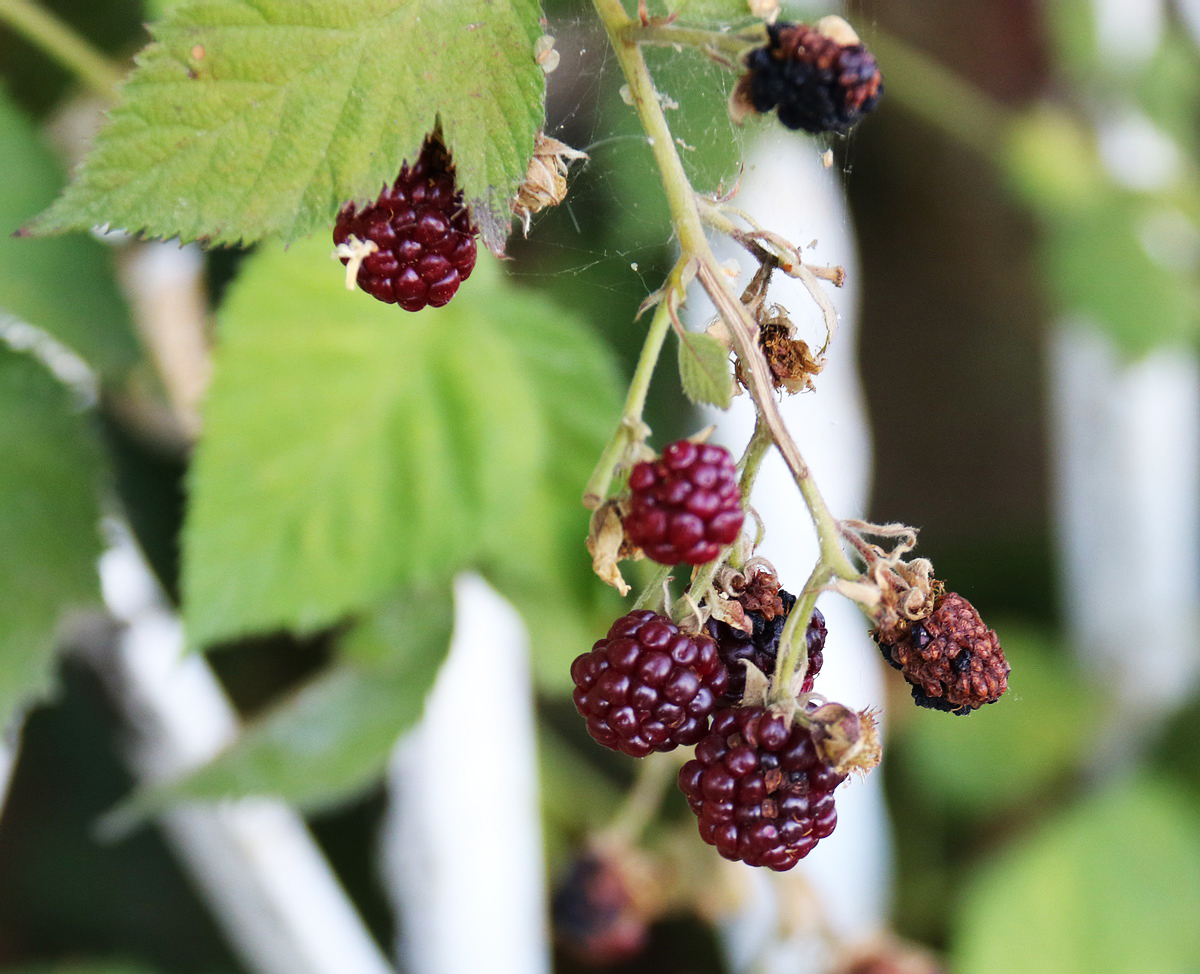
x: 685, y: 505
x: 818, y: 82
x: 422, y: 233
x: 647, y: 686
x: 594, y: 913
x: 761, y: 646
x: 761, y: 790
x: 952, y: 660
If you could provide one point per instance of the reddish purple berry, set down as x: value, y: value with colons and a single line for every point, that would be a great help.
x: 761, y: 647
x: 952, y: 660
x: 647, y: 686
x: 686, y: 505
x: 762, y: 792
x: 424, y: 235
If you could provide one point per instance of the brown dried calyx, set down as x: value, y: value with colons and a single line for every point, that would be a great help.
x: 847, y: 739
x: 546, y: 178
x: 792, y: 363
x: 952, y: 660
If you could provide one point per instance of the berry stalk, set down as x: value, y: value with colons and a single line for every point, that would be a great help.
x: 59, y: 42
x: 689, y: 227
x: 630, y: 428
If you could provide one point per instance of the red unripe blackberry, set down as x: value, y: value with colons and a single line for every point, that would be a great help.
x: 760, y: 789
x: 952, y: 660
x: 818, y: 83
x: 761, y: 647
x: 423, y: 232
x: 686, y: 505
x: 647, y: 686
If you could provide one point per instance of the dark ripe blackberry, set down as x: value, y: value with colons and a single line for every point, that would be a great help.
x: 686, y: 505
x: 647, y: 686
x: 423, y: 232
x: 761, y: 647
x: 817, y: 82
x: 951, y: 659
x: 760, y: 789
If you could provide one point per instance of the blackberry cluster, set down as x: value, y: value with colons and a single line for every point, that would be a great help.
x: 761, y: 646
x: 686, y: 505
x: 817, y: 83
x: 760, y: 789
x: 423, y: 232
x: 647, y: 686
x: 952, y: 660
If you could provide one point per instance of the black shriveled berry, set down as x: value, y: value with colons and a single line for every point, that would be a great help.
x: 761, y: 647
x: 817, y: 83
x: 594, y: 912
x: 647, y: 686
x: 423, y: 232
x: 951, y: 659
x: 760, y: 788
x: 685, y: 505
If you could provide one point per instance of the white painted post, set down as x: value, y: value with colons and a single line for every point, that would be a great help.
x: 462, y: 842
x: 254, y: 861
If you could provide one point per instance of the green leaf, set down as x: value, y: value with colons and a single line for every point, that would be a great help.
x: 1110, y: 887
x: 66, y: 286
x: 246, y: 118
x: 331, y: 739
x: 704, y: 370
x: 49, y: 514
x: 546, y: 570
x: 351, y: 449
x: 1099, y: 264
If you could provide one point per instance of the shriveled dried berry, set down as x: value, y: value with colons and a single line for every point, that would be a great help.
x: 952, y: 660
x: 760, y: 788
x: 686, y: 505
x: 424, y: 242
x: 817, y: 82
x: 648, y: 686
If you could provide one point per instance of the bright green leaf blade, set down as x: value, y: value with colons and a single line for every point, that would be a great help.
x: 1099, y: 264
x: 545, y: 569
x: 1111, y: 887
x: 332, y: 739
x: 246, y: 118
x: 49, y: 541
x: 64, y: 286
x: 704, y: 370
x: 351, y: 448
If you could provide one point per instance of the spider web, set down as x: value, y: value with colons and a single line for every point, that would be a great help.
x: 611, y: 240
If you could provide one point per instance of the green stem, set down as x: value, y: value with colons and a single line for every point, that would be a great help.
x: 732, y: 45
x: 631, y: 428
x: 653, y: 592
x: 793, y: 641
x: 751, y: 462
x: 654, y: 776
x: 686, y: 219
x: 44, y: 30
